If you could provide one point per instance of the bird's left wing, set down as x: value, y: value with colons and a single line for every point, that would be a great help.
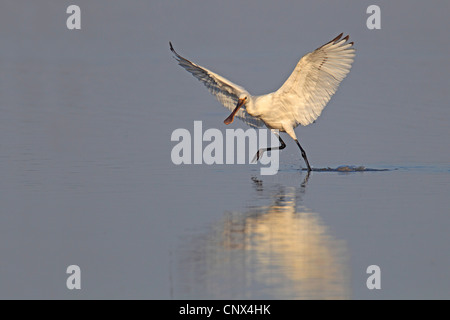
x: 315, y: 79
x: 224, y: 90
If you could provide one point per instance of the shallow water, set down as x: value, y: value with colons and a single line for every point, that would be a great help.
x: 87, y: 177
x: 299, y: 237
x: 345, y: 168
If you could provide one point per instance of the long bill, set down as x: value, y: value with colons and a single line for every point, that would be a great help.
x: 231, y: 116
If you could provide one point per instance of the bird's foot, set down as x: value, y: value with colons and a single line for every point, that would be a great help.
x: 258, y: 155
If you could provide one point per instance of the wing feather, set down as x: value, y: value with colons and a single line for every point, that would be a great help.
x: 224, y: 90
x: 315, y: 79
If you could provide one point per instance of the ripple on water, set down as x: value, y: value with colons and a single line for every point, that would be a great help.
x: 347, y: 168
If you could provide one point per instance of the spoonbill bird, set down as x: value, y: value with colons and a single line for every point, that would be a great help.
x: 300, y: 100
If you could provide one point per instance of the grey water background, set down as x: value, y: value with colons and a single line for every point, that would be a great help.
x: 86, y: 176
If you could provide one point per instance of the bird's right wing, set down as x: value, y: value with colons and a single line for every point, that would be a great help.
x: 224, y: 90
x: 315, y: 79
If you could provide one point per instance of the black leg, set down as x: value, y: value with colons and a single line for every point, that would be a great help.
x: 262, y: 150
x: 303, y: 155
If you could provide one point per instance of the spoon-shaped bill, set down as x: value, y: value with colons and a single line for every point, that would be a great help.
x: 231, y: 116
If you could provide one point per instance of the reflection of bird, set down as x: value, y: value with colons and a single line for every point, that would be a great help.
x: 277, y: 251
x: 300, y: 100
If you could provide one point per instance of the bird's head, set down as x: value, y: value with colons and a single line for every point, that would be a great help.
x: 243, y: 98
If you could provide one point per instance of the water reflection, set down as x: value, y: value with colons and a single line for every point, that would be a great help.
x: 280, y: 250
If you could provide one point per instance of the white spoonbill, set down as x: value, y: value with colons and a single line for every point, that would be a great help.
x: 300, y: 100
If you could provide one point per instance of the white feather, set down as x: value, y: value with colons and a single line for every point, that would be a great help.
x: 224, y: 90
x: 315, y: 79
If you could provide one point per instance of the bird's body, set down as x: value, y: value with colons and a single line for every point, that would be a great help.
x: 300, y: 100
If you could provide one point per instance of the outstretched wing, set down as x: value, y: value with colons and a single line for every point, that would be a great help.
x: 224, y: 90
x: 315, y: 79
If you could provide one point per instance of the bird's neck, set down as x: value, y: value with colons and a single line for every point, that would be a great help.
x: 251, y: 107
x: 258, y: 104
